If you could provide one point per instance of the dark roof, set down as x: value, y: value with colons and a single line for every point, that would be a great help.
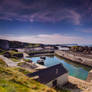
x: 48, y: 74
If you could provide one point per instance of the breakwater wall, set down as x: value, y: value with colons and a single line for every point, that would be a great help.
x: 76, y: 57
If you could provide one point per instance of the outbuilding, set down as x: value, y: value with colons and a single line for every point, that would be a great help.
x: 54, y: 76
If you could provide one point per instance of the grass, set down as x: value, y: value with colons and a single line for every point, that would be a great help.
x: 24, y: 71
x: 2, y: 51
x: 2, y: 63
x: 14, y: 59
x: 14, y: 52
x: 62, y: 90
x: 27, y: 60
x: 21, y: 63
x: 14, y: 80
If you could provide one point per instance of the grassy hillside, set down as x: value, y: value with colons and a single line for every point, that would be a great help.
x: 11, y: 80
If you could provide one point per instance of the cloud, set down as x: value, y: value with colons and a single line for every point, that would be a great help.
x: 87, y: 31
x: 38, y: 11
x: 72, y: 11
x: 48, y: 39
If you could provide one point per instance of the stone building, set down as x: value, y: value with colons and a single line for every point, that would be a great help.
x: 4, y: 44
x: 54, y: 76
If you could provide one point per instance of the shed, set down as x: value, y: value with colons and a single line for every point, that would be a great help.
x: 55, y: 75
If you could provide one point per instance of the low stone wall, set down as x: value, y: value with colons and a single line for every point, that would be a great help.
x: 85, y: 86
x: 89, y: 78
x: 75, y: 57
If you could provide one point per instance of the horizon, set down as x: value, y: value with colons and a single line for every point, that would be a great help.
x: 46, y: 21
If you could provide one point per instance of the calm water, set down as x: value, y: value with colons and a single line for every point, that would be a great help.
x: 76, y: 70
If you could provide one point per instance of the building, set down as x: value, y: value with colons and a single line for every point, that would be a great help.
x: 62, y: 48
x: 4, y: 44
x: 49, y: 48
x: 54, y: 76
x: 33, y: 49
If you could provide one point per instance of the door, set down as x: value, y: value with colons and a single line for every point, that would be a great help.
x: 54, y: 83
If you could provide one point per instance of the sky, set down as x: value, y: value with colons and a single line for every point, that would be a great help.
x: 46, y: 21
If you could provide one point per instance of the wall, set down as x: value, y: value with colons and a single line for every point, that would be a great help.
x: 63, y: 79
x: 89, y: 78
x: 75, y: 57
x: 83, y: 85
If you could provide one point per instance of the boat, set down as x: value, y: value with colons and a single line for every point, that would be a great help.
x: 43, y: 57
x: 40, y: 62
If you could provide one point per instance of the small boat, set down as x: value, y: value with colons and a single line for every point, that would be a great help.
x: 43, y: 57
x: 40, y: 62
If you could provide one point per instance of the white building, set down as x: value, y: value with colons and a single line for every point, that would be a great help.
x: 33, y: 49
x: 49, y: 48
x: 62, y: 48
x: 54, y: 76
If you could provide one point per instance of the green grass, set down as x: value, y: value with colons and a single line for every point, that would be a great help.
x: 14, y: 59
x: 24, y: 71
x: 13, y: 80
x: 27, y: 60
x: 21, y: 63
x: 2, y: 51
x: 2, y: 63
x: 14, y: 52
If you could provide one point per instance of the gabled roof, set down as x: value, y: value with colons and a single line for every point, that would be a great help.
x: 48, y: 74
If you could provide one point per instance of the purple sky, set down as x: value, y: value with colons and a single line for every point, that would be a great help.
x: 46, y: 21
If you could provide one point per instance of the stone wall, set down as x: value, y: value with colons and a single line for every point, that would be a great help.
x: 83, y: 59
x: 63, y: 79
x: 89, y: 78
x: 85, y: 86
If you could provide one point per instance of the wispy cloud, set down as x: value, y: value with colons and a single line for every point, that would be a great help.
x: 41, y: 11
x: 48, y: 39
x: 87, y: 31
